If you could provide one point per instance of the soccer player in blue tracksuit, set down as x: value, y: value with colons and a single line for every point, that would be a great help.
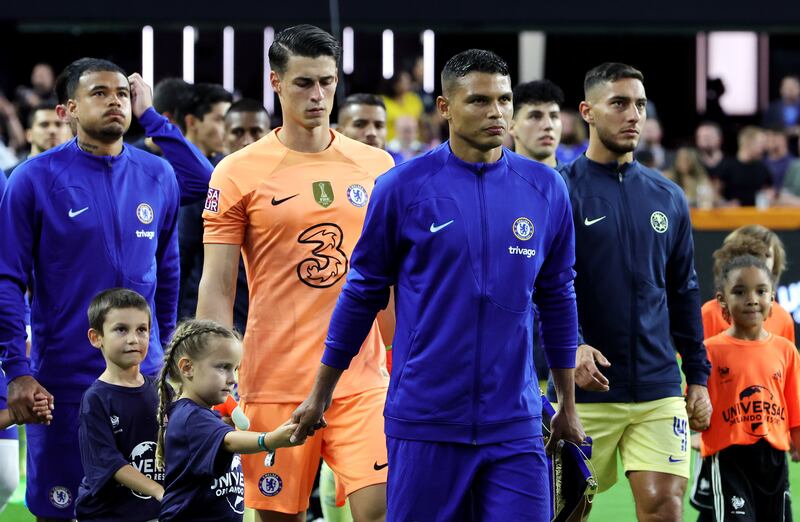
x: 469, y: 234
x: 638, y: 301
x: 85, y: 216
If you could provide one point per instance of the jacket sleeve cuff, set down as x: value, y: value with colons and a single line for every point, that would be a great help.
x: 336, y: 358
x: 564, y: 358
x: 696, y: 376
x: 14, y: 369
x: 149, y: 120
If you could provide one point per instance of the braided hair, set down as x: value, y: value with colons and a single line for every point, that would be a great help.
x: 189, y: 339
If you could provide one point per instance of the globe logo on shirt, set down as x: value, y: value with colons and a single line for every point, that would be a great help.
x: 659, y: 222
x: 145, y: 213
x: 270, y: 484
x: 143, y: 459
x: 357, y: 195
x: 523, y: 228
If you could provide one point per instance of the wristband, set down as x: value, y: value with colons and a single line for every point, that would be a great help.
x: 261, y: 443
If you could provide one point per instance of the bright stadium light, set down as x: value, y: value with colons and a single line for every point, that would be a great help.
x: 227, y: 58
x: 347, y: 50
x: 428, y: 71
x: 388, y: 54
x: 188, y: 53
x: 269, y: 94
x: 147, y: 54
x: 733, y: 58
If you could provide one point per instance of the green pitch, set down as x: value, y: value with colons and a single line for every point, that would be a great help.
x: 614, y: 504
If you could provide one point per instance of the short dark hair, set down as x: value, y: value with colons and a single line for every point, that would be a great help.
x: 472, y: 60
x: 44, y: 106
x: 170, y: 95
x: 204, y: 97
x: 246, y: 105
x: 609, y: 72
x: 67, y: 81
x: 539, y: 91
x: 302, y: 40
x: 114, y: 299
x: 361, y: 98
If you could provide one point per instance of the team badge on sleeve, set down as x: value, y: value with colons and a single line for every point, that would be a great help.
x: 145, y: 213
x: 523, y: 228
x: 357, y: 195
x: 212, y: 200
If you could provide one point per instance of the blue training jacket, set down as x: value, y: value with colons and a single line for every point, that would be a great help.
x: 73, y: 224
x: 638, y: 298
x: 464, y: 245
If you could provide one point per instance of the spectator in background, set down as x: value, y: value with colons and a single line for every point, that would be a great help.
x: 406, y: 143
x: 362, y: 117
x: 45, y: 131
x: 748, y: 175
x: 651, y: 142
x: 418, y: 73
x: 778, y: 156
x: 40, y: 91
x: 708, y: 140
x: 785, y: 111
x: 573, y: 137
x: 690, y: 174
x: 400, y: 101
x: 12, y: 135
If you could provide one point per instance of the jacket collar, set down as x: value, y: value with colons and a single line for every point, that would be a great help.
x: 613, y: 169
x: 105, y: 160
x: 446, y: 154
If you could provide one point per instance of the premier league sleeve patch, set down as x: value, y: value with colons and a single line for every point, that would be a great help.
x: 212, y: 200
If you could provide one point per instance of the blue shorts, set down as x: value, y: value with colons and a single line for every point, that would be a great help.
x: 442, y: 481
x: 54, y: 464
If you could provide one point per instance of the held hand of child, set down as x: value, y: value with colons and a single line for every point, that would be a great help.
x: 280, y: 437
x: 43, y: 408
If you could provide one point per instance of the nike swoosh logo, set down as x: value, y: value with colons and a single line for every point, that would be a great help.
x: 589, y: 222
x: 77, y: 212
x: 675, y: 460
x: 279, y: 201
x: 379, y: 467
x: 435, y: 228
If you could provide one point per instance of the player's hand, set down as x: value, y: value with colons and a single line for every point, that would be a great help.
x: 141, y: 95
x: 698, y: 407
x: 22, y: 393
x: 281, y: 437
x: 794, y: 453
x: 309, y: 418
x: 587, y: 376
x: 565, y: 425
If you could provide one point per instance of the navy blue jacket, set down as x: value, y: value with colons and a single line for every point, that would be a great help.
x: 637, y: 292
x: 465, y: 246
x: 73, y: 224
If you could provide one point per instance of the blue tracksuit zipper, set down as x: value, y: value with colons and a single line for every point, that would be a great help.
x: 114, y: 221
x: 481, y: 304
x: 634, y: 329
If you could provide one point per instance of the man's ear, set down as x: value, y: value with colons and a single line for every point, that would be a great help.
x: 443, y: 106
x: 585, y: 110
